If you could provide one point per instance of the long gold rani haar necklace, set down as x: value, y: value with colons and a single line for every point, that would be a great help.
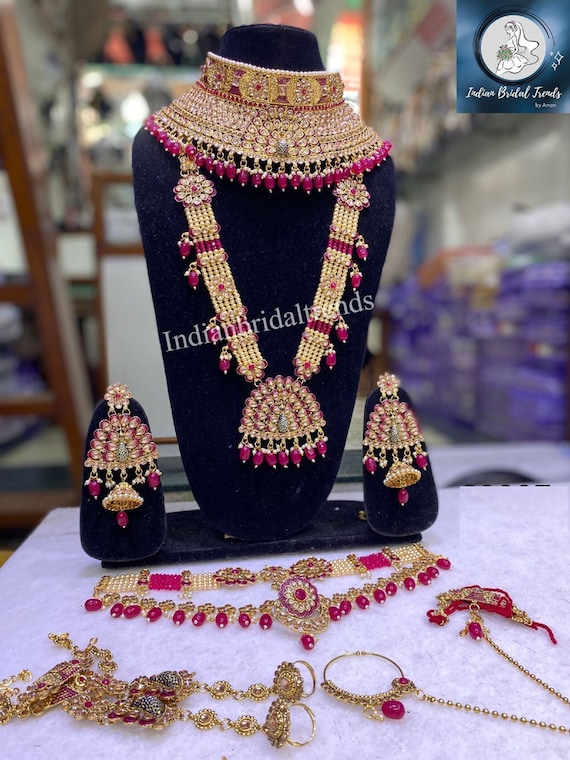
x: 277, y: 130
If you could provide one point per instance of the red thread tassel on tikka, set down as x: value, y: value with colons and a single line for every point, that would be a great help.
x: 475, y: 598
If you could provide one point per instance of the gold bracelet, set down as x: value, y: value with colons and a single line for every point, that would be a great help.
x: 152, y: 701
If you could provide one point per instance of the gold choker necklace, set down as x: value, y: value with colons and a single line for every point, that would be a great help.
x: 271, y: 128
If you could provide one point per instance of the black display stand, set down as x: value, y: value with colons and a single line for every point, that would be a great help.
x: 385, y: 515
x: 339, y: 525
x: 101, y: 536
x: 275, y: 244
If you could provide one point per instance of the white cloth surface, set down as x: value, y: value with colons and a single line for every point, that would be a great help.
x: 514, y: 538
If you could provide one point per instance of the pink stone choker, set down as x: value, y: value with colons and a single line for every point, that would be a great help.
x: 299, y: 606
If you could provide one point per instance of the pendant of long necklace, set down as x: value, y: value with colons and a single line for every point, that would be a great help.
x: 281, y: 422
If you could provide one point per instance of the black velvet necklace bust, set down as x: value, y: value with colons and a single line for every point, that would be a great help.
x: 275, y: 244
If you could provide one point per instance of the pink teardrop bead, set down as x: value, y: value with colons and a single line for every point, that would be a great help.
x: 403, y: 496
x: 269, y: 182
x: 209, y: 164
x: 296, y: 457
x: 117, y: 610
x: 179, y: 617
x: 94, y: 488
x: 321, y: 448
x: 244, y: 620
x: 256, y: 179
x: 153, y: 479
x: 92, y: 605
x: 231, y: 171
x: 271, y: 459
x: 342, y: 334
x: 220, y: 168
x: 443, y: 563
x: 132, y: 611
x: 330, y: 360
x: 393, y: 709
x: 307, y: 184
x: 281, y: 181
x: 122, y: 519
x: 243, y: 177
x: 265, y: 622
x: 193, y: 278
x: 283, y: 458
x: 391, y: 588
x: 257, y: 458
x: 213, y: 334
x: 421, y: 461
x: 362, y: 601
x: 356, y: 280
x: 310, y: 453
x: 221, y: 619
x: 318, y: 182
x: 154, y: 614
x: 345, y: 607
x: 370, y: 465
x: 184, y: 248
x: 379, y: 596
x: 244, y: 453
x: 334, y: 613
x: 224, y: 365
x: 295, y: 181
x: 475, y: 631
x: 409, y: 584
x: 362, y: 252
x: 357, y: 167
x: 308, y: 642
x: 198, y: 619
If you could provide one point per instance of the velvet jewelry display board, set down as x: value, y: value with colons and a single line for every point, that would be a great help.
x: 275, y: 244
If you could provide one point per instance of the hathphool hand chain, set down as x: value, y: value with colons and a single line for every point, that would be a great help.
x: 121, y: 444
x: 152, y: 701
x: 299, y: 605
x: 392, y: 429
x: 272, y: 129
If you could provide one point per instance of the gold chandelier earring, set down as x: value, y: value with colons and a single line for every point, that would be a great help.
x: 393, y: 440
x: 121, y: 455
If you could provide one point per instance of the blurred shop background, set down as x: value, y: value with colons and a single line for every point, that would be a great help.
x: 473, y: 311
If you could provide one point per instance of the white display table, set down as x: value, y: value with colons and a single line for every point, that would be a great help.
x: 514, y: 538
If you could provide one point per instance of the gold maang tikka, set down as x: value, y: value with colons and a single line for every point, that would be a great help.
x: 271, y: 129
x: 122, y: 445
x: 392, y: 433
